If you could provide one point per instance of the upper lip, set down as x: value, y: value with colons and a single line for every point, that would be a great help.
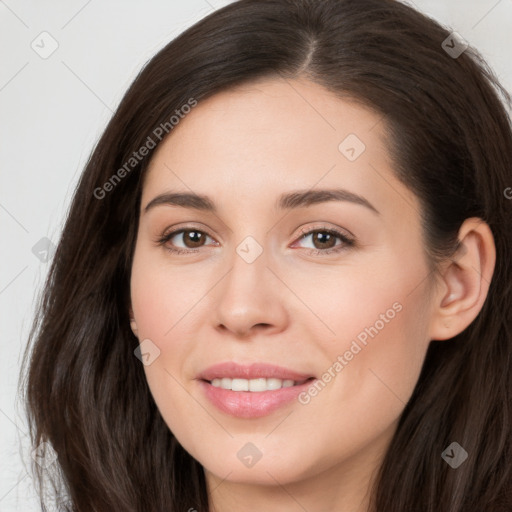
x: 253, y: 371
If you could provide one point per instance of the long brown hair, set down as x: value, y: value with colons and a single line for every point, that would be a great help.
x: 451, y: 142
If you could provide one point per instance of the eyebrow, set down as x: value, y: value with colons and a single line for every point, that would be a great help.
x: 296, y: 199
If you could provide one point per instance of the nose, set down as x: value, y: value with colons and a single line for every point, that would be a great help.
x: 250, y: 299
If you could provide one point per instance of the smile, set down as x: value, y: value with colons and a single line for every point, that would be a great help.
x: 253, y: 385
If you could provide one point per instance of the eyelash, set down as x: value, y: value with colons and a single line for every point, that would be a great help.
x: 347, y: 242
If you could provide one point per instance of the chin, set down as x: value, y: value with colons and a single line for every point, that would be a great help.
x: 272, y: 468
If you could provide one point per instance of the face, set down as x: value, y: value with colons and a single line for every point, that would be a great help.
x: 312, y: 307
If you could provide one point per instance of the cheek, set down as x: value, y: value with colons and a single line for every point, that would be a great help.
x: 163, y: 300
x: 162, y: 295
x: 380, y: 319
x: 376, y: 359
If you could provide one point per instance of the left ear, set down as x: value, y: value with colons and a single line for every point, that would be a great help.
x: 464, y: 281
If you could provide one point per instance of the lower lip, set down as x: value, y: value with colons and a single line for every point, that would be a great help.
x: 251, y: 404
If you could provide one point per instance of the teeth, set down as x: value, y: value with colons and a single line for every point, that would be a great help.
x: 240, y: 385
x: 274, y: 383
x: 255, y: 385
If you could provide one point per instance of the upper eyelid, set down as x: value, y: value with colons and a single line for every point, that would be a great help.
x: 176, y: 231
x: 303, y: 230
x: 338, y: 231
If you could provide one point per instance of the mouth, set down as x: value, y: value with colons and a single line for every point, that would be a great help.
x: 251, y: 391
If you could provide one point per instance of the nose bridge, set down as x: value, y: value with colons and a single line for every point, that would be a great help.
x: 248, y: 297
x: 247, y: 277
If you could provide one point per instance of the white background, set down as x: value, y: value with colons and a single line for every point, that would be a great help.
x: 53, y: 110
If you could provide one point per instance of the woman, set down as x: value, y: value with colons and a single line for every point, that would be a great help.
x: 283, y: 281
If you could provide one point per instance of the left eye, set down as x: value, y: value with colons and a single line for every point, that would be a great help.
x: 326, y: 239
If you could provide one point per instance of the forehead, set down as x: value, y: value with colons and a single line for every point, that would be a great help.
x: 258, y: 140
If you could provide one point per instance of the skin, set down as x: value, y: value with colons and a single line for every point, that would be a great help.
x: 291, y: 307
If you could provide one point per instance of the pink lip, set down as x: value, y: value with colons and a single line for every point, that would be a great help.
x: 253, y: 371
x: 246, y: 404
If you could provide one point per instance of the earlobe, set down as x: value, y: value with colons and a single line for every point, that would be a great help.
x: 465, y: 281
